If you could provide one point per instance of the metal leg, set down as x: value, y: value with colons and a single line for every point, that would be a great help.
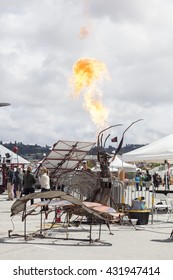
x: 100, y: 230
x: 41, y: 220
x: 91, y: 220
x: 24, y: 213
x: 68, y: 222
x: 108, y: 225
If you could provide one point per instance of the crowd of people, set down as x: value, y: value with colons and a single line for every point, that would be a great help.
x: 142, y: 177
x: 22, y: 182
x: 14, y: 182
x: 159, y: 181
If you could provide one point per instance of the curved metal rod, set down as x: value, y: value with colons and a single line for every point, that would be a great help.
x: 131, y: 125
x: 121, y: 142
x: 106, y: 140
x: 101, y: 132
x: 105, y: 130
x: 101, y: 139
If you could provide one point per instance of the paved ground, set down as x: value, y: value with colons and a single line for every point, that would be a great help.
x: 147, y: 242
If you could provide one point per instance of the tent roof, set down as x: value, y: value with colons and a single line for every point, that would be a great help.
x: 15, y: 158
x: 119, y: 163
x: 158, y: 151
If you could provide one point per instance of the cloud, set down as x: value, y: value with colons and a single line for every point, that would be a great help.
x: 40, y: 43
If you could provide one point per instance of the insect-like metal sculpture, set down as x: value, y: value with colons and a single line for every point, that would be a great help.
x: 89, y: 192
x: 103, y: 191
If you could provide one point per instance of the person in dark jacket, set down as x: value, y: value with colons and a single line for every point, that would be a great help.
x: 9, y: 182
x: 18, y: 182
x: 29, y: 182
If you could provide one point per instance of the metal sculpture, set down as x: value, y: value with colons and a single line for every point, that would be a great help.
x: 89, y: 192
x: 103, y: 192
x: 94, y: 187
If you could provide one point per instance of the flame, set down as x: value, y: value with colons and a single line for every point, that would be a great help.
x: 93, y: 104
x: 86, y: 72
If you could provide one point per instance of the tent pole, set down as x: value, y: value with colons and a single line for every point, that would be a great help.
x: 152, y: 209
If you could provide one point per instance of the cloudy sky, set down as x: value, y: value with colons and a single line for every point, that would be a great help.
x: 41, y: 40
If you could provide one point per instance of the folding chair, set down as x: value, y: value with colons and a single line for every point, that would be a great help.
x: 162, y: 203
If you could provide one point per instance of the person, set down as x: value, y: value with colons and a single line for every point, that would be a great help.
x: 138, y: 203
x: 166, y: 180
x: 138, y: 180
x: 156, y: 180
x: 85, y: 166
x: 9, y: 183
x: 18, y: 182
x: 147, y: 179
x: 44, y: 181
x: 29, y: 183
x: 148, y: 176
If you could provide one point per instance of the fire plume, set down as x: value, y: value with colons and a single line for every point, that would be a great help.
x: 86, y: 72
x: 94, y: 105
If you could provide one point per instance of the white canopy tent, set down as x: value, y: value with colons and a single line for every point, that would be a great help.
x: 118, y: 163
x: 157, y: 152
x: 13, y: 157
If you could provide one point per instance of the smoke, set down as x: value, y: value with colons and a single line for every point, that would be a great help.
x: 85, y: 29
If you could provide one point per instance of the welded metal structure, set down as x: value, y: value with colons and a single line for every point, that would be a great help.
x: 63, y: 163
x: 85, y: 193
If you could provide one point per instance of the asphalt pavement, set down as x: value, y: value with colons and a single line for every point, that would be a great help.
x: 145, y: 242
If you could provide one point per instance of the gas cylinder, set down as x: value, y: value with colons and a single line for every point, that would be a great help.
x: 58, y: 215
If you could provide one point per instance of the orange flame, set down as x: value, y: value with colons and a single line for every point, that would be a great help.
x: 93, y: 104
x: 86, y: 72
